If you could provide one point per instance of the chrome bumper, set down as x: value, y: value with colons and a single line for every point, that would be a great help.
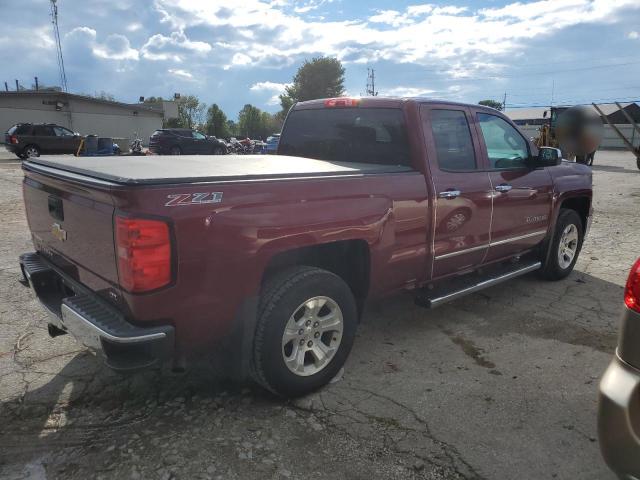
x: 92, y: 321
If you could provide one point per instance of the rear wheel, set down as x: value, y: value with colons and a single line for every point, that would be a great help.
x: 564, y: 247
x: 30, y: 151
x: 306, y: 326
x: 175, y: 151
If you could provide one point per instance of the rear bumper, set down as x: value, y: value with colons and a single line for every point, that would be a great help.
x: 619, y: 419
x: 93, y: 322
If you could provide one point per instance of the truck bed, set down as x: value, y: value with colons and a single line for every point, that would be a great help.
x: 168, y: 169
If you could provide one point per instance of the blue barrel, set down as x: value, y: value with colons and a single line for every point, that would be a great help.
x: 90, y: 144
x: 105, y: 144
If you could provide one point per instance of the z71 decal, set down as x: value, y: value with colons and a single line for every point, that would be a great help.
x: 182, y: 199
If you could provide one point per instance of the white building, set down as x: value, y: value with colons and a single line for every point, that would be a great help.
x: 85, y: 115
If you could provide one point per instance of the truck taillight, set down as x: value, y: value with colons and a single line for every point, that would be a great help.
x: 632, y: 290
x: 143, y: 249
x: 341, y: 102
x: 13, y: 139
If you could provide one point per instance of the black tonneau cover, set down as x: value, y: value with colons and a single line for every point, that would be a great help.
x: 168, y: 169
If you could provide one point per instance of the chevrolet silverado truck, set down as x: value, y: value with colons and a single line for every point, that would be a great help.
x: 270, y: 260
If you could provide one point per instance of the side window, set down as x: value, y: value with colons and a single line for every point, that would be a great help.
x: 62, y: 132
x: 452, y: 138
x: 43, y: 131
x: 198, y: 135
x: 506, y: 148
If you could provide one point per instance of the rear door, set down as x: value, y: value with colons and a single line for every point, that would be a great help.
x: 45, y: 138
x: 462, y: 216
x: 521, y: 196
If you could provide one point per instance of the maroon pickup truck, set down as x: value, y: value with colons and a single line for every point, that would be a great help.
x: 267, y: 261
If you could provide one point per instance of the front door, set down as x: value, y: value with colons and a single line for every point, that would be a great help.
x: 521, y: 196
x: 200, y: 144
x: 68, y: 142
x: 462, y: 214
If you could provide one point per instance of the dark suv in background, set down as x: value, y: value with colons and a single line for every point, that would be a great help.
x: 31, y: 139
x: 185, y: 141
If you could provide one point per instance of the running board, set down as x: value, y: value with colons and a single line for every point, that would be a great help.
x: 434, y: 298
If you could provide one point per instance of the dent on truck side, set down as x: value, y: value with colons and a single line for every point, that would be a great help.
x: 224, y: 249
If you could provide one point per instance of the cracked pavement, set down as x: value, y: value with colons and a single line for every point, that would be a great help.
x: 500, y: 384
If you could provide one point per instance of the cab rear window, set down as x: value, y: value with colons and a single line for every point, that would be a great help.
x: 361, y: 135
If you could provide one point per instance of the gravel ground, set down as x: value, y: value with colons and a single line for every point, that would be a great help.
x: 500, y: 384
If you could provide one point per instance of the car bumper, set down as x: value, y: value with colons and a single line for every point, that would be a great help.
x: 13, y: 148
x: 619, y: 419
x: 92, y: 321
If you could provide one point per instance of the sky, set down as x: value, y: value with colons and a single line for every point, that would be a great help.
x: 233, y: 53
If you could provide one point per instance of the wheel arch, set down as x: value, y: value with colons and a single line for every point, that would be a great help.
x: 581, y: 205
x: 348, y: 259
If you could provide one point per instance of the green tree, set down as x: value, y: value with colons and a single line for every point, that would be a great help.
x: 491, y: 103
x: 250, y: 121
x: 232, y: 128
x: 321, y: 77
x: 190, y: 111
x: 216, y: 122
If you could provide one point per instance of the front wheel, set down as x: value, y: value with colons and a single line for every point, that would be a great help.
x: 564, y: 246
x: 306, y: 326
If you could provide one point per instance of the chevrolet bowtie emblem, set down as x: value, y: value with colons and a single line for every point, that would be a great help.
x: 58, y: 232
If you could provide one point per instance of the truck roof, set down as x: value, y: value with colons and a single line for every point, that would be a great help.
x: 168, y: 169
x: 385, y: 102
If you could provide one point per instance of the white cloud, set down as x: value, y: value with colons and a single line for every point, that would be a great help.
x: 634, y: 35
x: 275, y: 89
x: 420, y: 34
x: 180, y: 73
x: 239, y: 59
x: 407, y: 92
x: 172, y: 47
x: 115, y: 46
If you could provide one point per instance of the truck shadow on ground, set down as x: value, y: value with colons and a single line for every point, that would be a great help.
x: 86, y: 411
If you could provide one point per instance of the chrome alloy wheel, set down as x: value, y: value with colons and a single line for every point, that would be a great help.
x: 568, y: 246
x: 31, y: 152
x: 312, y: 336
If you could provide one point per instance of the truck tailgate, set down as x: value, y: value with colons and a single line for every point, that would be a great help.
x: 72, y: 225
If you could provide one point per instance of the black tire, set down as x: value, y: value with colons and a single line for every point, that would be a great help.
x: 552, y: 268
x: 175, y: 150
x: 219, y: 151
x: 282, y: 295
x: 590, y: 158
x: 30, y: 151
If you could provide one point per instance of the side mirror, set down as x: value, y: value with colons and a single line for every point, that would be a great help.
x: 547, y: 157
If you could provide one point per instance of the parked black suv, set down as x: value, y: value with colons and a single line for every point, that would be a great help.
x: 31, y: 139
x: 184, y: 141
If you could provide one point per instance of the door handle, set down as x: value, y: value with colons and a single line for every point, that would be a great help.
x: 503, y: 187
x: 449, y: 194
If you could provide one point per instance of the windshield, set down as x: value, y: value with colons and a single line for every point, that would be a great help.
x: 361, y: 135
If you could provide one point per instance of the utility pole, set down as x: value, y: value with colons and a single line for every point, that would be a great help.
x: 504, y: 102
x: 56, y: 34
x: 553, y: 88
x: 6, y: 87
x: 371, y: 83
x: 17, y: 86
